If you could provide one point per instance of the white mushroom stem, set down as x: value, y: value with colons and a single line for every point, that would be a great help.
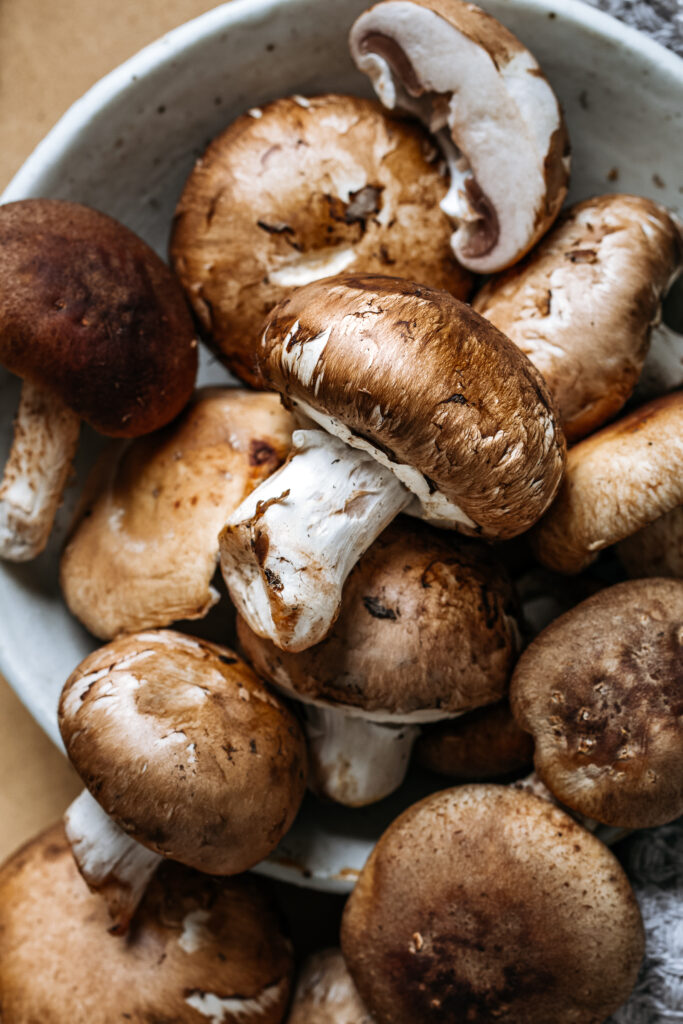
x: 288, y: 548
x: 663, y: 367
x: 111, y: 863
x: 607, y: 834
x: 36, y: 472
x: 355, y: 761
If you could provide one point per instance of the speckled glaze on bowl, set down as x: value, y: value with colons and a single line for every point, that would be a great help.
x: 126, y: 148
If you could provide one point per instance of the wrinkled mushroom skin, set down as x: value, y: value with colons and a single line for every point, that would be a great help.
x: 454, y: 66
x: 485, y: 745
x: 299, y: 190
x: 325, y: 993
x: 200, y: 947
x: 657, y: 549
x: 582, y: 305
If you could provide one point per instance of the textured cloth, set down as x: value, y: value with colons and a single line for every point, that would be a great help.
x: 661, y: 19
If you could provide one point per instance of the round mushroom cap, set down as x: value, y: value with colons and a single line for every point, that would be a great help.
x: 143, y: 549
x: 199, y: 947
x: 429, y: 388
x: 617, y: 481
x: 426, y: 629
x: 89, y: 312
x: 185, y: 748
x: 457, y: 68
x: 601, y: 691
x: 325, y: 993
x: 486, y: 903
x: 299, y: 190
x: 657, y: 549
x: 484, y: 745
x: 581, y: 306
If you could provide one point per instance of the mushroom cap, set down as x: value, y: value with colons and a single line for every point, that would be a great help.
x: 199, y: 945
x: 582, y: 304
x: 143, y: 548
x: 89, y: 312
x: 430, y: 388
x: 456, y: 67
x: 617, y: 481
x: 487, y: 903
x: 486, y: 744
x: 185, y: 748
x: 601, y: 691
x: 325, y: 993
x: 657, y: 549
x: 299, y: 190
x: 426, y: 629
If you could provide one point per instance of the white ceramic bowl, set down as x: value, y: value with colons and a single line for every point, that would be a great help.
x: 126, y: 148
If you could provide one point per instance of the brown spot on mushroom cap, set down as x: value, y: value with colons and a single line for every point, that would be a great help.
x: 90, y: 312
x: 486, y: 744
x: 426, y: 623
x: 192, y: 934
x: 601, y: 690
x: 326, y: 994
x: 522, y: 916
x: 617, y: 481
x: 160, y: 727
x: 330, y: 177
x: 144, y: 544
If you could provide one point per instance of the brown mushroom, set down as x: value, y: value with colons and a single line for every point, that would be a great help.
x: 483, y: 95
x: 143, y: 548
x: 98, y: 328
x: 299, y: 190
x: 657, y: 549
x: 201, y: 948
x: 325, y: 993
x: 484, y: 745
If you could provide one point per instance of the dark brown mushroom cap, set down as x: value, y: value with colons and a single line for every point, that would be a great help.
x: 486, y: 903
x: 582, y: 304
x: 197, y: 944
x: 430, y: 385
x: 601, y: 691
x: 90, y: 312
x: 427, y: 627
x: 185, y: 748
x: 302, y: 188
x: 484, y: 745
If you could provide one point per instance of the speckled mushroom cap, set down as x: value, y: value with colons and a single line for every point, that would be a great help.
x: 427, y: 629
x: 484, y: 745
x: 185, y: 748
x: 457, y: 68
x: 583, y: 303
x: 428, y: 387
x: 298, y: 190
x: 200, y: 947
x: 89, y: 312
x: 325, y: 993
x: 486, y: 903
x: 601, y: 690
x: 143, y: 548
x: 657, y: 549
x: 617, y: 481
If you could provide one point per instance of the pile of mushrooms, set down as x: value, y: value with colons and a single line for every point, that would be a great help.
x: 327, y: 248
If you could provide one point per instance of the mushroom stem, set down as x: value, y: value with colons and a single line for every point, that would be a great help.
x: 607, y: 834
x: 288, y: 548
x: 42, y: 453
x: 663, y: 367
x: 111, y: 863
x: 353, y: 760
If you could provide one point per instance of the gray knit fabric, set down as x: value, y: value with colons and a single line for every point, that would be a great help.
x: 661, y: 19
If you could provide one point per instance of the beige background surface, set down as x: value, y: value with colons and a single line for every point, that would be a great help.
x: 50, y: 53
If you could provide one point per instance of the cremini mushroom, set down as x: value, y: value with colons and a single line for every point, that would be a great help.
x: 143, y: 548
x: 484, y: 745
x: 202, y: 948
x: 325, y: 993
x: 483, y: 95
x: 186, y: 751
x: 298, y: 190
x: 583, y: 304
x: 427, y: 630
x: 98, y: 328
x: 423, y: 403
x: 657, y: 549
x: 601, y: 692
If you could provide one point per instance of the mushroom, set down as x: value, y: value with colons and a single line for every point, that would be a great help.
x: 657, y: 549
x: 486, y: 903
x: 299, y: 190
x: 186, y: 751
x: 325, y: 993
x: 617, y: 481
x: 143, y: 548
x: 426, y: 631
x: 98, y: 328
x: 486, y: 744
x: 601, y: 692
x: 423, y: 404
x: 583, y: 304
x: 202, y: 949
x: 484, y: 97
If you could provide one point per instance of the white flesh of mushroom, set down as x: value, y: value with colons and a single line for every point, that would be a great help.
x: 218, y: 1009
x: 36, y: 472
